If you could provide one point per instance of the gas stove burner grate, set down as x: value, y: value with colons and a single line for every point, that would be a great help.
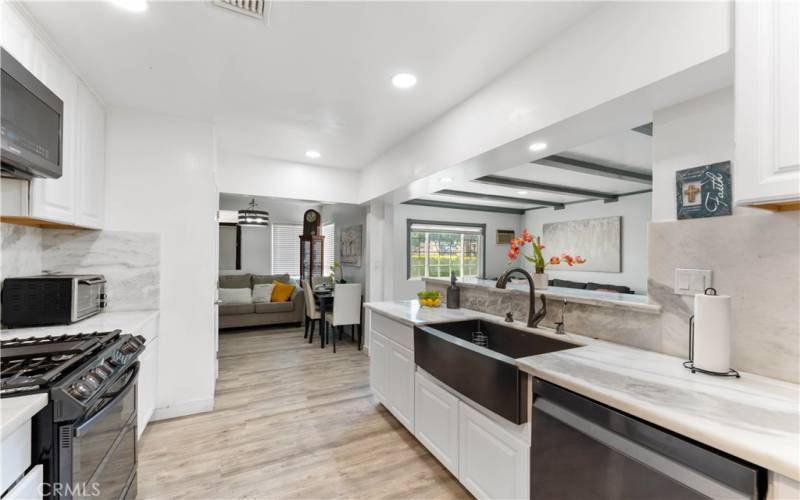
x: 28, y: 364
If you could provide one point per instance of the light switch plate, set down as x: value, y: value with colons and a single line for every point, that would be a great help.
x: 691, y: 281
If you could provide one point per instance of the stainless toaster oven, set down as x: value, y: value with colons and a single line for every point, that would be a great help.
x: 52, y: 299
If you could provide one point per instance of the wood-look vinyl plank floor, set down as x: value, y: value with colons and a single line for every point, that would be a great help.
x: 290, y: 420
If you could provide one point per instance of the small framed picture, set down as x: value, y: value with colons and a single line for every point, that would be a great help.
x: 704, y: 191
x: 504, y: 236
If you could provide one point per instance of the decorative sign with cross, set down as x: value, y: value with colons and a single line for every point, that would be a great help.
x: 704, y: 191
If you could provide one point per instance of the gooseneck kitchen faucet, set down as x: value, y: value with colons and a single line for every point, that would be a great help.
x: 534, y: 317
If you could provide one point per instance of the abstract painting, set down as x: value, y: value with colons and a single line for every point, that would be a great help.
x: 599, y: 241
x: 350, y: 250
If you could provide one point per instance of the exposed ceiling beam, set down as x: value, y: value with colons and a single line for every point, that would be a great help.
x: 541, y: 186
x: 464, y: 206
x: 646, y: 129
x: 587, y: 167
x: 497, y: 197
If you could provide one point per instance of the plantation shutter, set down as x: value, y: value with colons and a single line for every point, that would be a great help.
x: 286, y: 249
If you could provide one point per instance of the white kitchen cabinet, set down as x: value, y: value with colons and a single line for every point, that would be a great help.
x: 147, y: 385
x: 492, y: 463
x: 436, y: 421
x: 392, y: 366
x: 378, y: 366
x: 78, y: 196
x: 782, y: 488
x: 91, y: 160
x: 401, y: 384
x: 767, y: 123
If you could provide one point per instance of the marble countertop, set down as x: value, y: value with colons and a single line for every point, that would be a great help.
x: 16, y: 411
x: 127, y: 321
x: 590, y: 297
x: 754, y: 418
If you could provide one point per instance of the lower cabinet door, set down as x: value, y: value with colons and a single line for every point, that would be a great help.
x: 378, y: 369
x: 436, y: 421
x: 147, y: 386
x: 492, y: 463
x: 401, y: 384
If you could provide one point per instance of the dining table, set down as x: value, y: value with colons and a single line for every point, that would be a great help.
x: 324, y: 297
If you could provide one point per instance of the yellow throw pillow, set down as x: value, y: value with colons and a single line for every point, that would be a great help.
x: 281, y: 292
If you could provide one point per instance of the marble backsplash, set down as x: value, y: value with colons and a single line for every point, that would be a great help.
x: 129, y: 260
x: 754, y: 258
x: 615, y: 324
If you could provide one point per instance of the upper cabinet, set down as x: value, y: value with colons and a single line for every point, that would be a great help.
x: 78, y: 196
x: 767, y: 159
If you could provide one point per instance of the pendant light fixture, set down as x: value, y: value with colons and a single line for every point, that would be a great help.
x: 251, y: 216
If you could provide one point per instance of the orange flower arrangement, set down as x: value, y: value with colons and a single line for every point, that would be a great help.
x: 537, y: 259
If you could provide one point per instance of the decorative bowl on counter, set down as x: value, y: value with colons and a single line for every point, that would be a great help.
x: 430, y: 299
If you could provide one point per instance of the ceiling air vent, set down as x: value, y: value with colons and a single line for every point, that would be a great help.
x: 252, y: 8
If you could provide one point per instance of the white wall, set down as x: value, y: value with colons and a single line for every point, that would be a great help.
x: 160, y: 178
x: 395, y: 262
x: 620, y: 48
x: 253, y: 175
x: 691, y: 134
x: 635, y: 213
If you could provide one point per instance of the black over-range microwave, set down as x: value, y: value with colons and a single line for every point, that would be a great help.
x: 31, y: 123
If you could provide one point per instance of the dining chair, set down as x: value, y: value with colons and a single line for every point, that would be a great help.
x: 346, y: 310
x: 312, y: 312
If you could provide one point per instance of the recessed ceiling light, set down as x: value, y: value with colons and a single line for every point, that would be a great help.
x: 446, y: 179
x: 313, y: 154
x: 522, y: 193
x: 131, y: 5
x: 538, y: 146
x: 404, y: 80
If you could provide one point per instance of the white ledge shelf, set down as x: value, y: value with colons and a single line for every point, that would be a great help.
x: 639, y: 303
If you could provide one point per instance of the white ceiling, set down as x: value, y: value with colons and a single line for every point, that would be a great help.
x: 628, y: 150
x: 317, y: 77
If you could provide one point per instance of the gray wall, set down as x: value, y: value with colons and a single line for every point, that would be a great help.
x: 343, y: 216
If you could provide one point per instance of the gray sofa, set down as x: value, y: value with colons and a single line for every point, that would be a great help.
x: 273, y: 313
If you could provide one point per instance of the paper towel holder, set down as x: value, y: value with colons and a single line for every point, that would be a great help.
x: 690, y: 364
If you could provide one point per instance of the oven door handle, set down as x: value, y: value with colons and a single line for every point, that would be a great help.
x: 88, y: 424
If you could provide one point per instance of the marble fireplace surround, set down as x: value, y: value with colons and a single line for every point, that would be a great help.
x: 754, y: 258
x: 129, y: 260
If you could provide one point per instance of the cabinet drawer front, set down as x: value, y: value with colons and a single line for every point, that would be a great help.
x: 492, y: 464
x: 436, y: 421
x: 16, y: 455
x: 29, y: 487
x: 401, y: 384
x: 393, y: 330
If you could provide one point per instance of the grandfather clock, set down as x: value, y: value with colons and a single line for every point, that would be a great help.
x: 312, y: 247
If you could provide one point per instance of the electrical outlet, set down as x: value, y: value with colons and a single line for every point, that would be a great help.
x: 691, y: 281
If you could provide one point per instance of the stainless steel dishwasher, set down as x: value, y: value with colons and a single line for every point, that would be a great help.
x: 581, y: 449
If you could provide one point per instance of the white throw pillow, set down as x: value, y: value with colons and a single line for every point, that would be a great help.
x: 262, y: 293
x: 230, y: 296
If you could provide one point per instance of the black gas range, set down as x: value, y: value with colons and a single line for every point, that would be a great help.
x: 86, y: 436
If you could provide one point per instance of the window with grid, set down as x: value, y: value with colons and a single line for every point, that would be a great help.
x: 286, y: 249
x: 437, y: 249
x: 329, y: 232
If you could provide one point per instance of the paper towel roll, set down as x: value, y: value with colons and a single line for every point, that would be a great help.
x: 712, y: 332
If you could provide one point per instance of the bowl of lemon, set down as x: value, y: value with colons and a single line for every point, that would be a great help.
x: 430, y: 299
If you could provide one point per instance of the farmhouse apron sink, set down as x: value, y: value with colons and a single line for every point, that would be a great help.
x: 486, y: 375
